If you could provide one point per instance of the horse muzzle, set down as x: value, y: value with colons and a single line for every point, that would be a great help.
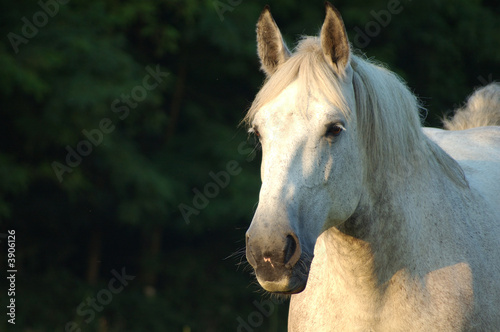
x: 279, y: 263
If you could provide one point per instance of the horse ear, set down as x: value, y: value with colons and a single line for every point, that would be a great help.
x: 270, y: 45
x: 334, y: 40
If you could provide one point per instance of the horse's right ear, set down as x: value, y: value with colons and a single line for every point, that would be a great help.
x: 270, y: 45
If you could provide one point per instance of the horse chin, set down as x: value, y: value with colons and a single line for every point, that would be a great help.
x: 284, y: 285
x: 291, y: 281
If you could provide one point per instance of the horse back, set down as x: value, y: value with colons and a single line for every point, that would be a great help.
x: 477, y: 151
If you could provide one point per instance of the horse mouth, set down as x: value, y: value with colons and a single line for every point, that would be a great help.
x: 283, y: 279
x: 284, y: 287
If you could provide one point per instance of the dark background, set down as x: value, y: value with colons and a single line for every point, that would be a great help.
x: 117, y: 206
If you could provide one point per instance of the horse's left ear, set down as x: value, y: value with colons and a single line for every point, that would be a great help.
x: 334, y: 40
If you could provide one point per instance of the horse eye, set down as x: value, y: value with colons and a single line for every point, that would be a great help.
x: 255, y: 132
x: 334, y: 130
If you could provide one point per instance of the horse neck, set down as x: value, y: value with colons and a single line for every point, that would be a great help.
x: 407, y: 223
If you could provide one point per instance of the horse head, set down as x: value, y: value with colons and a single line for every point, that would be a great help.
x: 311, y: 172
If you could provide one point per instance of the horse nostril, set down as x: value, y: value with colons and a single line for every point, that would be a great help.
x: 292, y: 250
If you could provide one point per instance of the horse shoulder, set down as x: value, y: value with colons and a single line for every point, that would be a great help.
x: 443, y: 299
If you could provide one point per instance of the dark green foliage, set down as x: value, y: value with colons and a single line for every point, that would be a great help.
x: 118, y: 206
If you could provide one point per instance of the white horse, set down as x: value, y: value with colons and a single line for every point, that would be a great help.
x: 371, y: 221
